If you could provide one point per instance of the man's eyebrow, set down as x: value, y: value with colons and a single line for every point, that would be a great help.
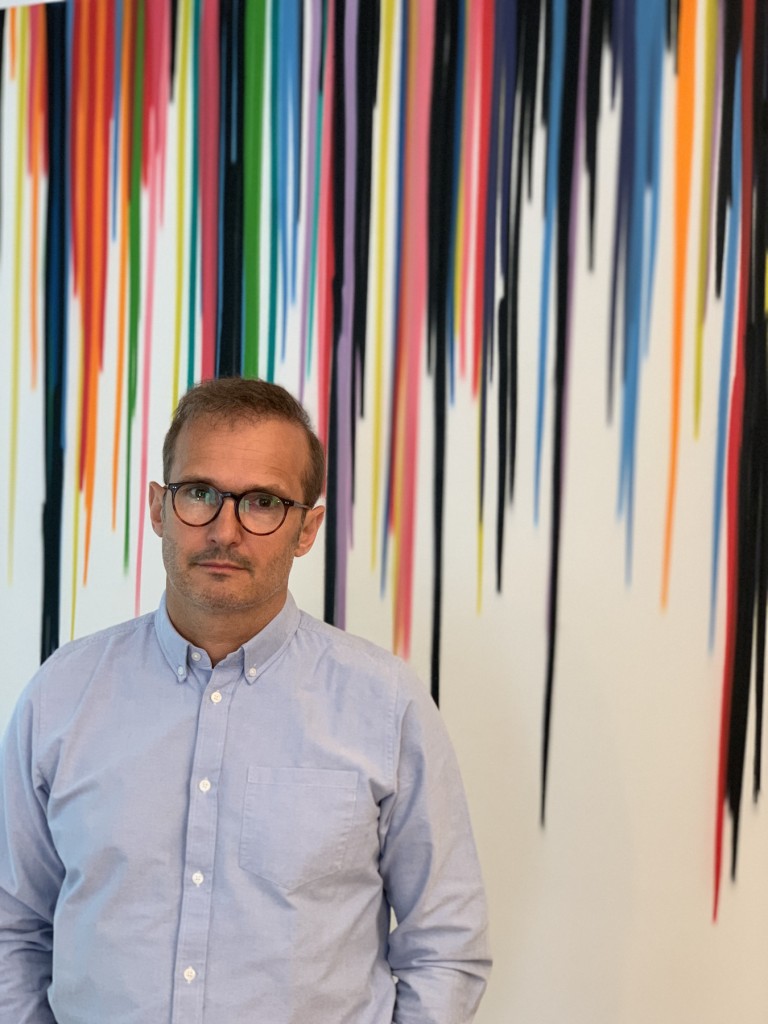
x: 259, y: 488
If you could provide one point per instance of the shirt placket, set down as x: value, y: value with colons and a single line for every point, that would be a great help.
x: 200, y: 848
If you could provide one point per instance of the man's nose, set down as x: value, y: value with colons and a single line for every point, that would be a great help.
x: 226, y: 526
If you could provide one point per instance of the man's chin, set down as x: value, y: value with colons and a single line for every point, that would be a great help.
x: 217, y: 596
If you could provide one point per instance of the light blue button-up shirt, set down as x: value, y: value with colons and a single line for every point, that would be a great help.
x: 197, y: 845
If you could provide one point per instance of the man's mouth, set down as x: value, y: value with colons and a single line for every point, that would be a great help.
x: 219, y: 565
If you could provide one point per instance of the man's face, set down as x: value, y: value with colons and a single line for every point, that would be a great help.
x: 221, y: 569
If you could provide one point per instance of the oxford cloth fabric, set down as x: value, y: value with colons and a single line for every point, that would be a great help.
x: 192, y: 844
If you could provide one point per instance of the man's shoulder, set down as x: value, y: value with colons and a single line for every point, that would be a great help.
x: 103, y: 653
x: 66, y: 676
x: 359, y: 656
x: 335, y: 639
x: 93, y: 645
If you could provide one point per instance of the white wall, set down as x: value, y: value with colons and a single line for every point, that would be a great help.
x: 604, y: 915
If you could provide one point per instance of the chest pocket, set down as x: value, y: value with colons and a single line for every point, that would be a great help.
x: 296, y: 822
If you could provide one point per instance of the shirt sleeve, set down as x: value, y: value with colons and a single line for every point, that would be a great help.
x: 30, y: 877
x: 438, y: 950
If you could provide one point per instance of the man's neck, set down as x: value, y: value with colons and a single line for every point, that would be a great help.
x: 219, y: 633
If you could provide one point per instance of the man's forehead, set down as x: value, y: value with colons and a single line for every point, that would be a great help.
x: 208, y: 427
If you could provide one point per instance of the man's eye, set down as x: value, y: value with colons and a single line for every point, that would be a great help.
x: 260, y: 502
x: 202, y: 495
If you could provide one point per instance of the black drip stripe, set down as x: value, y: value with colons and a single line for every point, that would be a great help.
x: 332, y: 540
x: 440, y: 228
x: 229, y: 350
x: 565, y: 179
x: 55, y: 314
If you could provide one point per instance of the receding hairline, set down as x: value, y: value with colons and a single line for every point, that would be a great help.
x: 231, y: 402
x: 231, y: 420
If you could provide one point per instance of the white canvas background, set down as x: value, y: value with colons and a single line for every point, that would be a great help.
x: 604, y: 915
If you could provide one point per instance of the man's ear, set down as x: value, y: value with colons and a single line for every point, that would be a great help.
x: 156, y: 498
x: 312, y: 522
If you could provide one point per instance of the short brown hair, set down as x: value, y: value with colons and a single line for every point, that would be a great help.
x: 237, y: 399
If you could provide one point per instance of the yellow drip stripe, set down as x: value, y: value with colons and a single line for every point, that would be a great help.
x: 388, y: 24
x: 17, y: 281
x: 710, y: 58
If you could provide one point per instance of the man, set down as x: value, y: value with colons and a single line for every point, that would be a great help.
x: 207, y: 813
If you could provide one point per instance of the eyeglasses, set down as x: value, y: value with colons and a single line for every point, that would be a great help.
x: 198, y: 504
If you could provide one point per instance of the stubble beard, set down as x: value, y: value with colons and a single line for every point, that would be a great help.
x: 227, y: 595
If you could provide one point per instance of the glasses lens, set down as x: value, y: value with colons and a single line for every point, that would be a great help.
x: 196, y: 504
x: 261, y: 512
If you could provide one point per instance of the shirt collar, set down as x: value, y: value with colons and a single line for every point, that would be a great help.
x: 257, y: 653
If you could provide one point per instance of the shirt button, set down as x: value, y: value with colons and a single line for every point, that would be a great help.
x: 216, y: 697
x: 252, y: 672
x: 195, y: 655
x: 204, y: 785
x: 197, y: 878
x: 190, y: 974
x: 181, y: 671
